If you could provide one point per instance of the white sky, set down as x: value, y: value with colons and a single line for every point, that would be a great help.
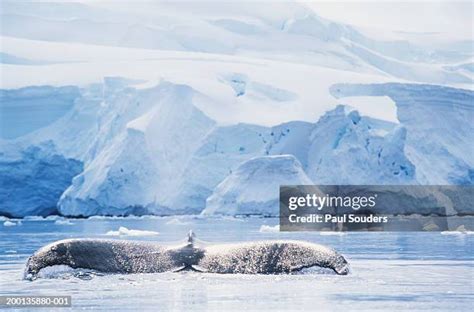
x: 452, y: 18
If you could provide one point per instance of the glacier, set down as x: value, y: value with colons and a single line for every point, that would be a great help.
x: 155, y: 152
x: 208, y: 111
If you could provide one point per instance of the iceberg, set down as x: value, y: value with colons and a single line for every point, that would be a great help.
x: 134, y: 171
x: 253, y: 188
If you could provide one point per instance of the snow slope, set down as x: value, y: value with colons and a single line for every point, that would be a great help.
x: 290, y: 31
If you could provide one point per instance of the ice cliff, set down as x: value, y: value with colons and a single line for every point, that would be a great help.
x: 32, y: 182
x: 440, y: 131
x: 150, y: 150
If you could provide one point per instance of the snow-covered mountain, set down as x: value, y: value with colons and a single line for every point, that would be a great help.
x: 175, y: 109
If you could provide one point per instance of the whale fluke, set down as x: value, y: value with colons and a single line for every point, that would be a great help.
x: 124, y: 257
x: 108, y: 256
x: 271, y: 257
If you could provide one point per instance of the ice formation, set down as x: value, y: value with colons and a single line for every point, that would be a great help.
x: 217, y: 109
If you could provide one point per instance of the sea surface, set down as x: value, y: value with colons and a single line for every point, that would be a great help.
x: 410, y: 271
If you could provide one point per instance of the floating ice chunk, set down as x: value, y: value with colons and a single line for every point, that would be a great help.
x: 123, y: 231
x: 10, y: 223
x: 330, y: 233
x: 34, y: 218
x: 460, y: 230
x: 457, y: 233
x: 176, y: 221
x: 63, y: 222
x: 269, y: 229
x: 53, y: 218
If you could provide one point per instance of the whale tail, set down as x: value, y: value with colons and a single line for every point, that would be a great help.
x: 191, y: 237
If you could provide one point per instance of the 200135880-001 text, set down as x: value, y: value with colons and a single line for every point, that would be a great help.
x: 34, y: 301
